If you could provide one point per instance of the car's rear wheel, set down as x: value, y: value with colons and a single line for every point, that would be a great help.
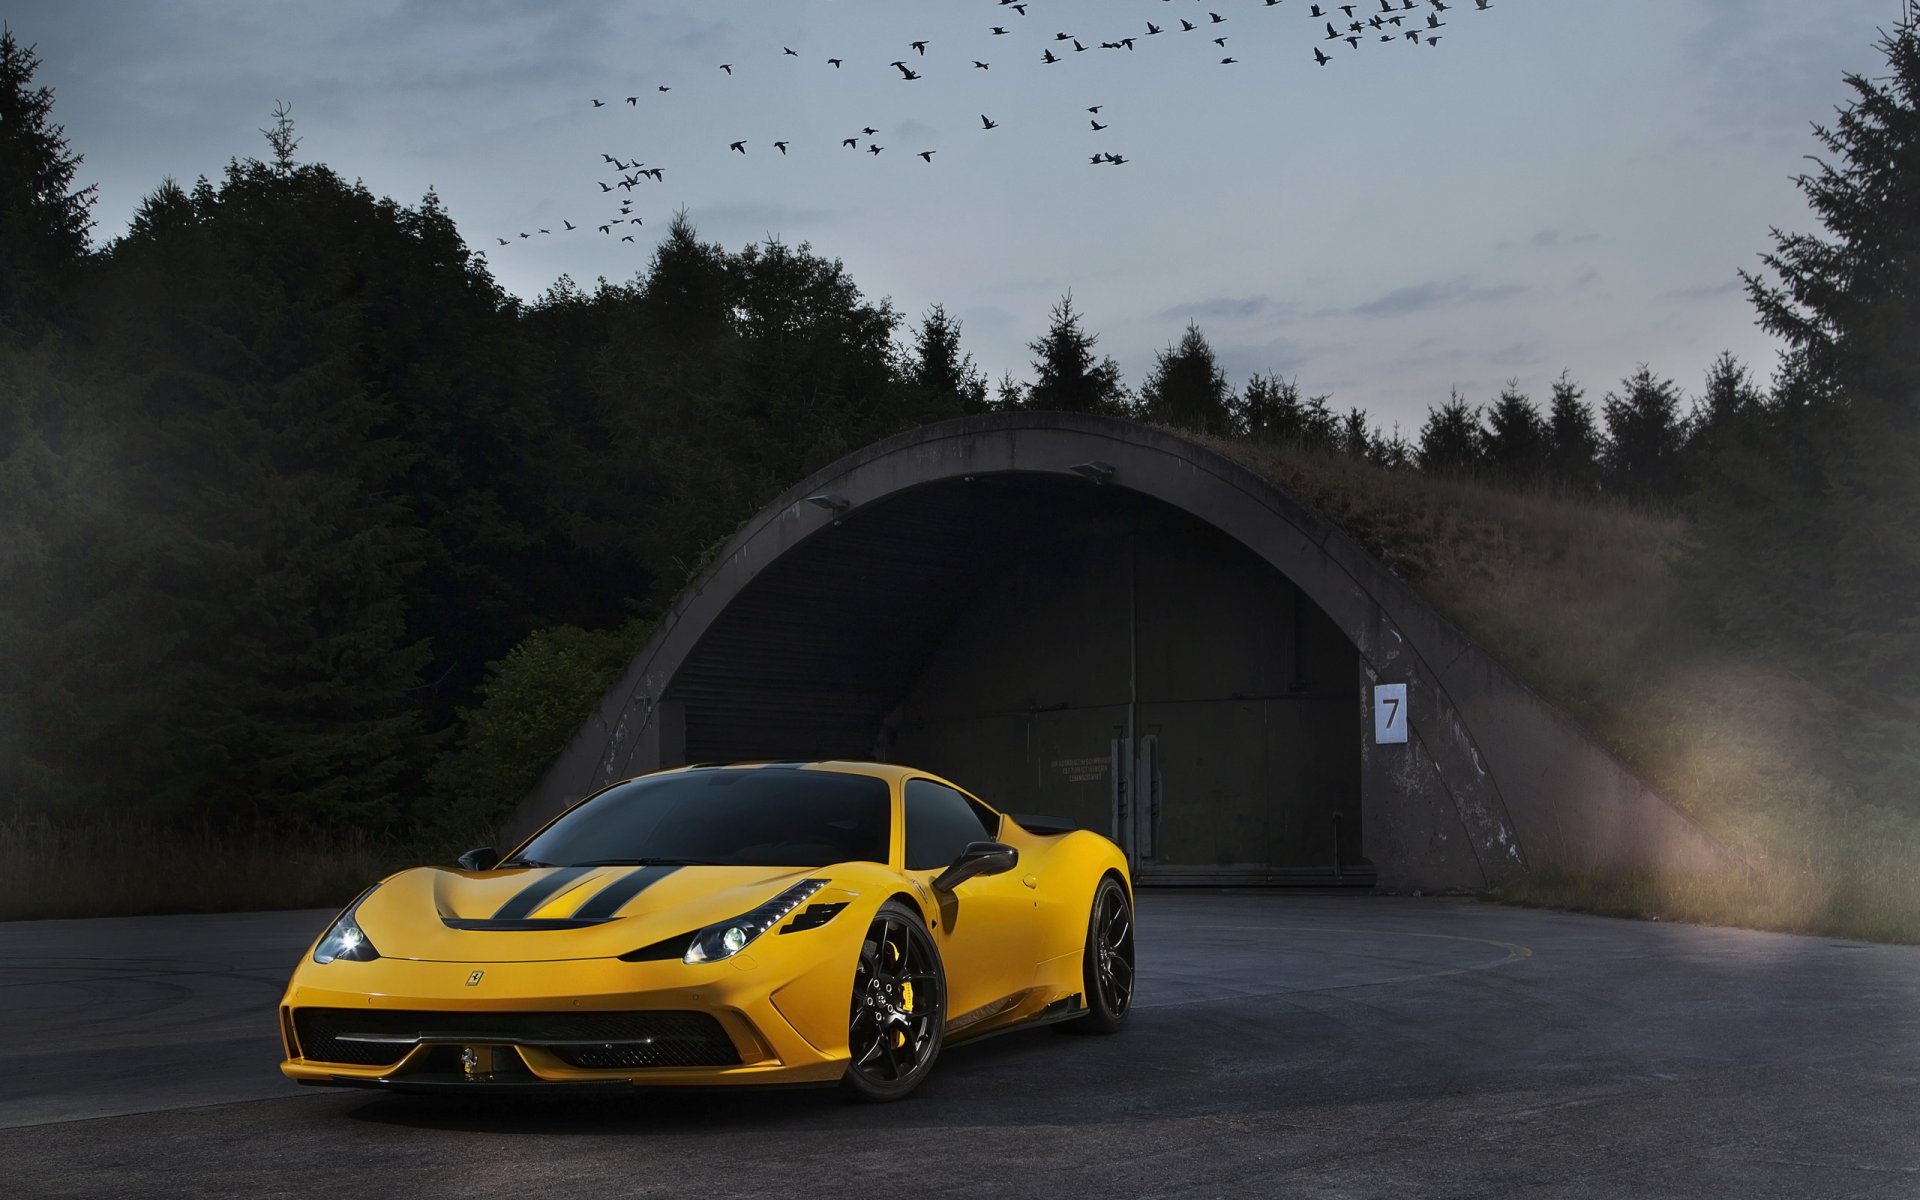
x: 1107, y: 969
x: 898, y: 1017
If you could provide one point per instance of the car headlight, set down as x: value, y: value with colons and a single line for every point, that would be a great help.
x: 724, y: 939
x: 345, y: 939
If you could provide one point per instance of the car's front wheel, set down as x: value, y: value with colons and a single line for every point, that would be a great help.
x: 898, y: 1017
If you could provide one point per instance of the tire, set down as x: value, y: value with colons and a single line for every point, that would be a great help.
x: 1107, y: 970
x: 897, y: 1019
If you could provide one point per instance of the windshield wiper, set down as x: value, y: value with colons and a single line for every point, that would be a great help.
x: 649, y: 862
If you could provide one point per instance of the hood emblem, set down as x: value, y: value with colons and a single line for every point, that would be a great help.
x: 474, y: 978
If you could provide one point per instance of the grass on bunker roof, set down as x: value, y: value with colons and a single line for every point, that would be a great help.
x: 1576, y: 596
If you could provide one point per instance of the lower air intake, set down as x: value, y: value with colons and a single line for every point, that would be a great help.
x: 587, y: 1040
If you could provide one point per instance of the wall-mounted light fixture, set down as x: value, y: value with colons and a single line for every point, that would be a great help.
x: 1099, y: 472
x: 833, y: 502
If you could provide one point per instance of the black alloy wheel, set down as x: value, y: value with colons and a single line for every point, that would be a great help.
x: 1107, y: 970
x: 898, y: 1017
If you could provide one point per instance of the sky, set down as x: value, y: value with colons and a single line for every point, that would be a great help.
x: 1554, y: 185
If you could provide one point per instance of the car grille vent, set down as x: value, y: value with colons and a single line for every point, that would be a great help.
x: 587, y: 1040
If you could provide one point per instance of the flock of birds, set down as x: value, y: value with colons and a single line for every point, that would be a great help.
x: 1340, y: 28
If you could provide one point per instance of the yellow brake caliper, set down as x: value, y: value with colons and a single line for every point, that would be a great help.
x: 906, y: 1006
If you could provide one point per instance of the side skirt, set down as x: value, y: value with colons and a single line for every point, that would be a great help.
x: 1066, y: 1008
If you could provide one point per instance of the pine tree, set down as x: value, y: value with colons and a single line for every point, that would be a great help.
x: 1806, y: 538
x: 1354, y: 440
x: 1188, y: 390
x: 1010, y: 395
x: 1646, y: 438
x: 1573, y: 441
x: 1273, y: 410
x: 1846, y: 304
x: 1515, y: 446
x: 1392, y: 450
x: 1067, y: 376
x: 945, y: 377
x: 1451, y: 440
x: 44, y: 221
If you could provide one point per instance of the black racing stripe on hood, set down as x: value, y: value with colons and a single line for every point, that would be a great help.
x: 613, y: 897
x: 538, y: 892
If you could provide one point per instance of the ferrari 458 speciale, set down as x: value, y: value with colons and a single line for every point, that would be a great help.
x: 748, y: 924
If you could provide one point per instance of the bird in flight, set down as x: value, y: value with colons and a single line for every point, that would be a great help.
x: 790, y: 50
x: 927, y: 155
x: 627, y: 238
x: 727, y: 67
x: 567, y: 223
x: 1097, y: 126
x: 835, y: 62
x: 741, y: 146
x: 920, y: 46
x: 782, y: 145
x: 599, y: 103
x: 988, y: 124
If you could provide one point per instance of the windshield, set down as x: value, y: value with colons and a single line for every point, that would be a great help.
x: 750, y: 817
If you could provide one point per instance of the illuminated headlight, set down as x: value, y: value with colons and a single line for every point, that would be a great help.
x: 344, y: 939
x: 728, y: 938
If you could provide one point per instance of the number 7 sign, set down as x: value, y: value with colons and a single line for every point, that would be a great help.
x: 1389, y: 713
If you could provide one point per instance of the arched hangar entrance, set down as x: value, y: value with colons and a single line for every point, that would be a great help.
x: 1060, y: 646
x: 1099, y: 620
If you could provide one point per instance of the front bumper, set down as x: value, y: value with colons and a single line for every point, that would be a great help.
x: 576, y: 1023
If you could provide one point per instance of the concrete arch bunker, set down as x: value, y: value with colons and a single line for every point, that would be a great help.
x: 1089, y: 614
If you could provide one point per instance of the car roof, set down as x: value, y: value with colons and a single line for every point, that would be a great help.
x: 892, y: 772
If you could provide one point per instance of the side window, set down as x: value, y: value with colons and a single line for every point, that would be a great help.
x: 940, y: 823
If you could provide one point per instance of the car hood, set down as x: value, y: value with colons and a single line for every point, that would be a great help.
x: 539, y: 914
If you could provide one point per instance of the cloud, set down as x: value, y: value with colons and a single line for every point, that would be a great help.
x: 1547, y: 239
x: 768, y: 216
x: 1230, y: 308
x: 1423, y: 297
x: 1738, y: 42
x: 1705, y: 291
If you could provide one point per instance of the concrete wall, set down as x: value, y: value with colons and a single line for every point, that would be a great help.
x: 1494, y: 781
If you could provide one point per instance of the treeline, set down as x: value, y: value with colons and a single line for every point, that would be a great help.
x: 1648, y: 441
x: 304, y: 522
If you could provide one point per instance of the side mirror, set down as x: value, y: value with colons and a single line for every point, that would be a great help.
x: 979, y: 858
x: 483, y: 859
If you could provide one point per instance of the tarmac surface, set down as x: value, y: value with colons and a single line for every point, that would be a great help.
x: 1281, y: 1046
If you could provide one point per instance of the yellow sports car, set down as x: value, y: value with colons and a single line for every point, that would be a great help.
x: 750, y: 924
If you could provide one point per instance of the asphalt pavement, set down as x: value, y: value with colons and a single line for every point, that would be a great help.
x: 1281, y: 1046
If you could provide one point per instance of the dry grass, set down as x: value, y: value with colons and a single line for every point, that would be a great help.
x: 117, y: 866
x: 1576, y: 597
